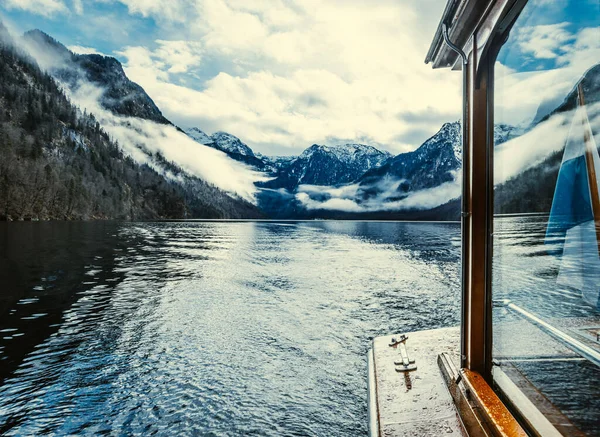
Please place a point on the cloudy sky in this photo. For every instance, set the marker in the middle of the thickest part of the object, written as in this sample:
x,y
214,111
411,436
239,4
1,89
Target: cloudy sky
x,y
280,74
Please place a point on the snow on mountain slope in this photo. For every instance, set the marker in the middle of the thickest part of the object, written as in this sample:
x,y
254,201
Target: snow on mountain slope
x,y
223,141
98,84
231,144
328,165
199,136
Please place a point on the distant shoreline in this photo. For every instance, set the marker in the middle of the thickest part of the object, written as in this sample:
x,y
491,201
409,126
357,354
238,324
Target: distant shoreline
x,y
267,220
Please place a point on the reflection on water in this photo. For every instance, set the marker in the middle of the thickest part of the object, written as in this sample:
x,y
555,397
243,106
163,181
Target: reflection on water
x,y
209,328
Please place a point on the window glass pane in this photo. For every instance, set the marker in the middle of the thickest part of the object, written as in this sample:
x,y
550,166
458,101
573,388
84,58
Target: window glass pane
x,y
546,266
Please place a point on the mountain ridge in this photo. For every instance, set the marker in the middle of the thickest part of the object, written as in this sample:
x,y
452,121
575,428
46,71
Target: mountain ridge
x,y
59,163
120,95
327,165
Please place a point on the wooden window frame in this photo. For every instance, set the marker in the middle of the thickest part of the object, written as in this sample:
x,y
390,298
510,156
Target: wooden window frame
x,y
477,30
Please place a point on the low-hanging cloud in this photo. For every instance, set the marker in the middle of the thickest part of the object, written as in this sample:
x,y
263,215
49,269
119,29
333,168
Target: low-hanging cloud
x,y
520,95
82,50
517,155
383,195
142,139
287,74
510,159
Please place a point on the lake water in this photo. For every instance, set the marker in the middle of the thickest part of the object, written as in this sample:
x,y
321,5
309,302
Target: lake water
x,y
173,328
253,328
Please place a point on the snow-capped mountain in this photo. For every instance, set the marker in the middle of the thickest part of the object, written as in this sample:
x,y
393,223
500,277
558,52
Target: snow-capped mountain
x,y
432,164
199,136
328,165
231,145
321,171
223,141
377,175
380,176
277,162
88,174
533,189
591,90
436,161
590,82
317,165
505,132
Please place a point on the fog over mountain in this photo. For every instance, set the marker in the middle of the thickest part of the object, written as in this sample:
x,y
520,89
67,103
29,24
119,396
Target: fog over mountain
x,y
230,145
99,85
119,95
59,162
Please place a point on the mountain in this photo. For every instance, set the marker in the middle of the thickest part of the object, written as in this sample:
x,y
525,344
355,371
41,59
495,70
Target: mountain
x,y
327,165
120,95
361,177
199,136
422,184
317,165
277,163
59,163
435,162
231,145
432,164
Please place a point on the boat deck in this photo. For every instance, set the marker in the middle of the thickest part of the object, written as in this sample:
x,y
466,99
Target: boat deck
x,y
547,371
415,402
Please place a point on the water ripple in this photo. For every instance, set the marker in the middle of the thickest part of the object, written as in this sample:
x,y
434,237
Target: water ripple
x,y
221,329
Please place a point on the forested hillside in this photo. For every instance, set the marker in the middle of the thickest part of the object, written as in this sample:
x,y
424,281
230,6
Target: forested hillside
x,y
56,162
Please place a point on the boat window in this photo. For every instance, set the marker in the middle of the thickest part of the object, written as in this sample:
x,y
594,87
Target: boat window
x,y
546,263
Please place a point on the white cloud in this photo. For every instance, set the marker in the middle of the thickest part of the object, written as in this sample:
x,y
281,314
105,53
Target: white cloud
x,y
41,7
178,56
544,41
349,198
556,4
138,138
520,94
150,68
519,154
333,204
169,10
143,67
295,73
526,97
516,155
511,158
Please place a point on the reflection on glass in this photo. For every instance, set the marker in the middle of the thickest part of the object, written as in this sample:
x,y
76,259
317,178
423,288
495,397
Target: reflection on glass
x,y
576,208
546,266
